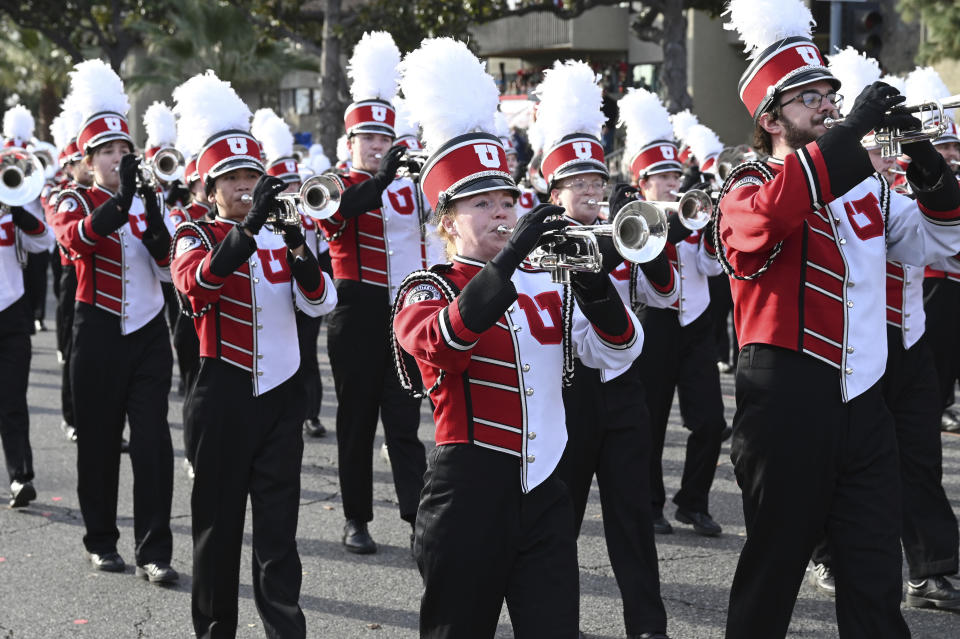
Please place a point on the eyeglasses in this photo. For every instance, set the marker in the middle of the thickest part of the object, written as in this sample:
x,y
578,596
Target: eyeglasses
x,y
581,185
813,100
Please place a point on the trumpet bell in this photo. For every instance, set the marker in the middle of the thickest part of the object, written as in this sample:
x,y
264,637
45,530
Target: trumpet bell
x,y
695,209
640,231
21,177
47,154
167,164
320,196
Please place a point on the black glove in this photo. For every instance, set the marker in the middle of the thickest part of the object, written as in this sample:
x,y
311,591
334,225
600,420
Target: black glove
x,y
306,270
925,158
622,195
178,194
23,220
485,297
389,164
264,202
869,111
292,236
658,270
676,231
151,204
128,169
599,301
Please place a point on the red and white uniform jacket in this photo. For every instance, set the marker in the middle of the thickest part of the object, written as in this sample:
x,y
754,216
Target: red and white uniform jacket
x,y
114,273
382,246
527,201
48,199
501,389
824,295
905,301
189,213
695,259
250,322
14,244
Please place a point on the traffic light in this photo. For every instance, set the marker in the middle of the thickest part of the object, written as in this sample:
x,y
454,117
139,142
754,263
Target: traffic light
x,y
865,20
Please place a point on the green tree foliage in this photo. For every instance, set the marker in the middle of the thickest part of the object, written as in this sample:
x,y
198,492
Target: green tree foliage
x,y
942,23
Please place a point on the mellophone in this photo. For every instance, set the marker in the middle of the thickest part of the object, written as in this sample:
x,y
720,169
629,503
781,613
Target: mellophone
x,y
638,230
934,126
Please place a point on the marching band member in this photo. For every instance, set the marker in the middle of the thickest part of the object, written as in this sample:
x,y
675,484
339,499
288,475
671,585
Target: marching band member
x,y
22,232
930,536
376,239
679,351
242,283
64,129
117,232
277,143
490,336
608,425
18,125
806,240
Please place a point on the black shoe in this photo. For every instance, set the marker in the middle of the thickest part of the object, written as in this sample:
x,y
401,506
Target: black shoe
x,y
108,562
157,572
703,523
933,592
314,428
22,493
949,422
357,539
124,445
822,578
661,526
725,435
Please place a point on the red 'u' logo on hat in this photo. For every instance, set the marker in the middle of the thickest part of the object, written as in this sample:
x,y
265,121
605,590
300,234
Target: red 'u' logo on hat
x,y
488,155
667,151
113,124
582,149
237,145
379,113
810,56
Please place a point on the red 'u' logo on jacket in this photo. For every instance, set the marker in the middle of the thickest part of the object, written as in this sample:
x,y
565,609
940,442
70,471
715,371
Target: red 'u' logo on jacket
x,y
274,263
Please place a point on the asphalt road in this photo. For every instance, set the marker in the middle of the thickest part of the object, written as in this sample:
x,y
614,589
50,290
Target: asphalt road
x,y
49,590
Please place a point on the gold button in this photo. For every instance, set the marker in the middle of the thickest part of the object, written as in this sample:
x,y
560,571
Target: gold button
x,y
849,371
259,308
126,281
389,252
259,373
837,220
850,284
526,368
517,327
906,314
850,304
906,328
529,392
253,263
531,435
259,356
256,280
849,349
842,241
531,459
259,327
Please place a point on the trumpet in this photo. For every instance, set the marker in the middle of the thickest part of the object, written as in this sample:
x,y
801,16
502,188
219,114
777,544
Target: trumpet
x,y
166,165
412,164
21,177
694,209
318,197
731,157
47,154
934,126
638,230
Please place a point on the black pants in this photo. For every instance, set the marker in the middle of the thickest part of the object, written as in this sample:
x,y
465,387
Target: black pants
x,y
367,387
721,307
35,283
65,308
806,463
682,358
113,376
187,345
609,435
930,535
480,540
941,303
247,446
308,330
15,371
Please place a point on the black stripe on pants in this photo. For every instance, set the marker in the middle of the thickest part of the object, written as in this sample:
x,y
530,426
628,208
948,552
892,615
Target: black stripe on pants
x,y
367,387
15,371
65,309
941,304
609,435
806,462
248,446
35,283
187,345
480,540
682,358
308,330
116,376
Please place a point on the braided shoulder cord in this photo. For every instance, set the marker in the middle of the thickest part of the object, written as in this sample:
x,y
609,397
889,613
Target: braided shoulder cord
x,y
732,179
186,306
884,202
566,315
450,292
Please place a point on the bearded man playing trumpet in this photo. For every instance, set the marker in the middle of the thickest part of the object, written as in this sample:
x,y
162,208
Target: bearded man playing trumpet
x,y
806,237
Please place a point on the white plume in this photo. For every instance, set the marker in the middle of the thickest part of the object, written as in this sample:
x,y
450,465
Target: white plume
x,y
502,129
207,105
373,67
448,91
855,72
646,119
760,23
535,137
315,149
260,116
681,124
71,114
96,87
703,142
319,163
343,153
161,125
60,130
898,83
405,123
923,85
18,124
570,101
276,138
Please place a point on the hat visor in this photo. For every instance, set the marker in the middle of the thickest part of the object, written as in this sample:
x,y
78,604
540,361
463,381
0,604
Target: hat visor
x,y
233,165
809,76
581,168
485,185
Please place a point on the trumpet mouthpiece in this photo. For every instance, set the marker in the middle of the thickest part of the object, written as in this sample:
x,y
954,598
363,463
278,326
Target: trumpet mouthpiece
x,y
504,230
246,198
